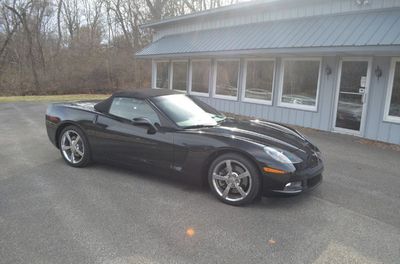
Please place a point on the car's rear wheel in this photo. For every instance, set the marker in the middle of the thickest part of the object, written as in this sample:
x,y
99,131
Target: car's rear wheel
x,y
234,179
74,147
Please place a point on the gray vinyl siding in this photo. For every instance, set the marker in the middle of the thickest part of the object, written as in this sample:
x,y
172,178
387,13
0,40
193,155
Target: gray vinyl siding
x,y
375,127
312,8
327,29
320,119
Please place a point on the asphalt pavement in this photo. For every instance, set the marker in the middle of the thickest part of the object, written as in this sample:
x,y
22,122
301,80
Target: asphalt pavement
x,y
53,213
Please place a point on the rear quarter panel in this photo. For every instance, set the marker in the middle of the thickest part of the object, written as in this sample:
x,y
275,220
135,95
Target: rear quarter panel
x,y
59,116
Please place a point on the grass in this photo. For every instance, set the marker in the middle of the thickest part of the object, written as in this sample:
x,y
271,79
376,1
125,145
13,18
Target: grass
x,y
52,98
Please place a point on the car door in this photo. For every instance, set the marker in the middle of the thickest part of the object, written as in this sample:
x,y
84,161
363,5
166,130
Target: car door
x,y
119,140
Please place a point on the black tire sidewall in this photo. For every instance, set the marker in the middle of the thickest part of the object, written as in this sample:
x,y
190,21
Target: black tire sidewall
x,y
255,188
86,156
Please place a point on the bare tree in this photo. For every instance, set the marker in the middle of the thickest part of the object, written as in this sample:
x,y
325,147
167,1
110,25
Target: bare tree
x,y
67,46
71,17
21,13
59,10
10,24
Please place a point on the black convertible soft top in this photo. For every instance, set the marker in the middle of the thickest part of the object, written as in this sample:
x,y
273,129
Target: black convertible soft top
x,y
104,106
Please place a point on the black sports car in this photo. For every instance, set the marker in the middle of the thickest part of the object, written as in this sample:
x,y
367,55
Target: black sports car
x,y
178,135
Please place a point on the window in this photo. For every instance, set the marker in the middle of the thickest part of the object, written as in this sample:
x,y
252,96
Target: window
x,y
130,108
227,78
162,74
259,80
299,85
179,75
392,111
200,76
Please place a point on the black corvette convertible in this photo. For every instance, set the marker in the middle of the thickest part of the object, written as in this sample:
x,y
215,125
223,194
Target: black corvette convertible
x,y
181,136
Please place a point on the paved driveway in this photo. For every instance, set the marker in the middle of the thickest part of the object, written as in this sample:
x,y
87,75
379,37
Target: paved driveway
x,y
52,213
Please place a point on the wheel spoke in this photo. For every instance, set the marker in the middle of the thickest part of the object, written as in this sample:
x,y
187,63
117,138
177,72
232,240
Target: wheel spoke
x,y
64,147
69,138
72,157
240,189
80,153
219,177
228,166
226,191
244,175
77,139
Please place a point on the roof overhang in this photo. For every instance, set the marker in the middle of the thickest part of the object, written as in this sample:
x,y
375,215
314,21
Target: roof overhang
x,y
365,33
286,52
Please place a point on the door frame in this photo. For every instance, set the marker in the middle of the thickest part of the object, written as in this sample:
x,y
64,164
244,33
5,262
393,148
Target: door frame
x,y
366,96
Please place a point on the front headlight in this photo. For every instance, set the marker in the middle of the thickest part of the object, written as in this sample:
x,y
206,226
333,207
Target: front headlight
x,y
282,156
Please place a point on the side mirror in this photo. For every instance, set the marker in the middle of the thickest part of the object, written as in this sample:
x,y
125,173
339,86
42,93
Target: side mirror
x,y
143,121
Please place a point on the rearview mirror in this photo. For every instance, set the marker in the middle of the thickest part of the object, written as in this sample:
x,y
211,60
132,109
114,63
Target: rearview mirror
x,y
143,121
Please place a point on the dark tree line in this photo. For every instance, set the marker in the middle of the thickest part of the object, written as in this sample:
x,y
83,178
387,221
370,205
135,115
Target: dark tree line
x,y
71,46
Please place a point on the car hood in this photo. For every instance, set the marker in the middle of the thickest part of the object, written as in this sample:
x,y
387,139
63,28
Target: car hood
x,y
262,132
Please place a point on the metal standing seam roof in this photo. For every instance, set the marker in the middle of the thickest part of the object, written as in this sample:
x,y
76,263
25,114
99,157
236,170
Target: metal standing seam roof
x,y
378,28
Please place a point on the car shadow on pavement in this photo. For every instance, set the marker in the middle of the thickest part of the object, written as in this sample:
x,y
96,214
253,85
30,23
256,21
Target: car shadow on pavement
x,y
151,176
271,201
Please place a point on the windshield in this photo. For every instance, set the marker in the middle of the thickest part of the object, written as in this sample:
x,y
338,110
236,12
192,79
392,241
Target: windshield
x,y
185,112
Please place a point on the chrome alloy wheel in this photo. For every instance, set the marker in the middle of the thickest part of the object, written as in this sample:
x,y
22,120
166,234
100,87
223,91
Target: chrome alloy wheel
x,y
232,180
72,147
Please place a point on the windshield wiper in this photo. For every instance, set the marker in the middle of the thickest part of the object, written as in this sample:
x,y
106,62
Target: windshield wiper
x,y
218,118
197,126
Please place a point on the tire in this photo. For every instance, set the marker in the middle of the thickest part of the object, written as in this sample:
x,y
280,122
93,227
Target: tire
x,y
234,179
74,147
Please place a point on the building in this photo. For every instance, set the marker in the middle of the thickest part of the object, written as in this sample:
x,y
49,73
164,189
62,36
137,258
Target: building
x,y
332,65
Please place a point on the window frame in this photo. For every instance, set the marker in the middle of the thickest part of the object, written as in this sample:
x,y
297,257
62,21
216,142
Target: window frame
x,y
244,82
281,79
214,86
191,77
156,72
389,92
171,82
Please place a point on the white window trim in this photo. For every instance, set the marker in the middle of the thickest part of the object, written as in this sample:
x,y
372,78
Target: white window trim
x,y
191,75
155,74
295,106
244,82
171,82
214,86
387,117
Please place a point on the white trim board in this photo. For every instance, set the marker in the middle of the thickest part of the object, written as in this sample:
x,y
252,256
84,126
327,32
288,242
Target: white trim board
x,y
386,116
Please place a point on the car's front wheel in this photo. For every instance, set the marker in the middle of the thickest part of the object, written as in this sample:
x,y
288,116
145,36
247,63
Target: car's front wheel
x,y
74,147
234,179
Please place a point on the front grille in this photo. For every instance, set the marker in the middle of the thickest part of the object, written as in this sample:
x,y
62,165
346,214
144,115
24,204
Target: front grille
x,y
314,181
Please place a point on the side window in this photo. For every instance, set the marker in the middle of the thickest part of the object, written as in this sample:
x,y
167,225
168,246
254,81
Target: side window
x,y
130,108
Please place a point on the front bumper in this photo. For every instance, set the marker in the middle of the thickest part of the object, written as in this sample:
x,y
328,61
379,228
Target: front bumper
x,y
293,183
301,186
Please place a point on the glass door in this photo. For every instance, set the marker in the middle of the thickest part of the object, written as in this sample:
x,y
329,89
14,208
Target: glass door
x,y
351,97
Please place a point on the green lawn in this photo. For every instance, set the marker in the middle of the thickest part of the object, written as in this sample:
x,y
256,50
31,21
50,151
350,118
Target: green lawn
x,y
52,98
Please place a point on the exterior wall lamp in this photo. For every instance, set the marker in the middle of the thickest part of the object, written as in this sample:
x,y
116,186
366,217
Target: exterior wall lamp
x,y
328,70
362,2
378,72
